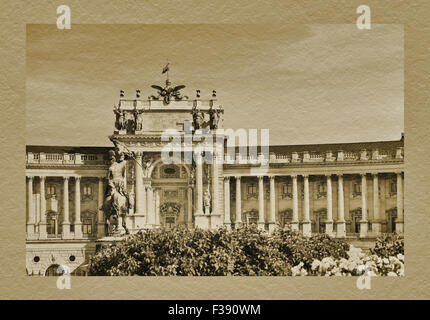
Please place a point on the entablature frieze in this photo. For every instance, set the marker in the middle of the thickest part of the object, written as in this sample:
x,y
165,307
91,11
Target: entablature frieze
x,y
71,173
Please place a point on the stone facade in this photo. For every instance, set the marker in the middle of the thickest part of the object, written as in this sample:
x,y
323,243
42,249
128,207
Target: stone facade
x,y
345,190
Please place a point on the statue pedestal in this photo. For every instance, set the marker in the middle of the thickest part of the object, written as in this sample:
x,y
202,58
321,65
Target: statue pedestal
x,y
202,221
216,221
139,221
108,240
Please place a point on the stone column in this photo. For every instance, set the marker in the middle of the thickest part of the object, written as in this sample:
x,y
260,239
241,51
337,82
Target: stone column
x,y
150,207
341,226
66,221
199,185
227,218
138,187
78,222
238,221
329,221
215,185
42,224
261,222
376,223
31,212
272,217
295,222
101,223
190,206
157,208
307,231
400,214
363,221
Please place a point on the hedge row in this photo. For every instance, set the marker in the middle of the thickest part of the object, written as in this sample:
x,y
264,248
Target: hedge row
x,y
242,252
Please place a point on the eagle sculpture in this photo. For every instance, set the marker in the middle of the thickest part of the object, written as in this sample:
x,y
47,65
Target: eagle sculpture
x,y
168,93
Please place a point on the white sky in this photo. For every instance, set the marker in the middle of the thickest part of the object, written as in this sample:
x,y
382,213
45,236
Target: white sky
x,y
306,83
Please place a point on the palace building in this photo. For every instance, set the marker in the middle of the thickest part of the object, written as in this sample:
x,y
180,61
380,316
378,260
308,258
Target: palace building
x,y
352,190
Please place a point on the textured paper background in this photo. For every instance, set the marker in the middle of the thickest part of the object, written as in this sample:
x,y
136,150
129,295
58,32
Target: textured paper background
x,y
15,284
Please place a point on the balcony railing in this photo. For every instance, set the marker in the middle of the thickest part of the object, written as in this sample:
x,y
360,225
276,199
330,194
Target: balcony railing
x,y
64,158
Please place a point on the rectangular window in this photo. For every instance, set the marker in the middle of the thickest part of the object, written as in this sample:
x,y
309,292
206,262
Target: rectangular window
x,y
357,189
252,189
50,227
87,225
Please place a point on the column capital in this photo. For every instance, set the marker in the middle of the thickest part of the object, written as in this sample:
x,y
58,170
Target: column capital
x,y
101,178
328,175
339,174
237,177
398,172
272,177
30,176
260,177
66,178
363,174
375,174
78,178
293,176
227,178
42,177
305,176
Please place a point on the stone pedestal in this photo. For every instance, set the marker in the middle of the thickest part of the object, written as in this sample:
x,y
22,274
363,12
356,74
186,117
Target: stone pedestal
x,y
129,222
272,227
399,227
307,230
78,230
228,225
261,225
363,228
42,230
376,227
238,224
139,221
66,231
329,228
341,229
202,221
295,226
216,221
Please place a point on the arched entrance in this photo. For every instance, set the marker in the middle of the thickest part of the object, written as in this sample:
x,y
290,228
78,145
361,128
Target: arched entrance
x,y
173,184
52,271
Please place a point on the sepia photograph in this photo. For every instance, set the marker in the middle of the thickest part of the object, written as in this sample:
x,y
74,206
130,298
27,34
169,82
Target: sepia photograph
x,y
214,150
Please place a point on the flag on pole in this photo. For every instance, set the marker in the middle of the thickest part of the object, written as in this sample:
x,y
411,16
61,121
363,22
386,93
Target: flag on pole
x,y
166,68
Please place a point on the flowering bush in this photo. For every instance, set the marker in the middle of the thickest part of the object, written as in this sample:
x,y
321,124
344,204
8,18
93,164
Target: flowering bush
x,y
357,264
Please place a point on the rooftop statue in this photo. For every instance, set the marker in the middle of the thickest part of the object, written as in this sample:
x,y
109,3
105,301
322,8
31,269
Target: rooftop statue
x,y
168,92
